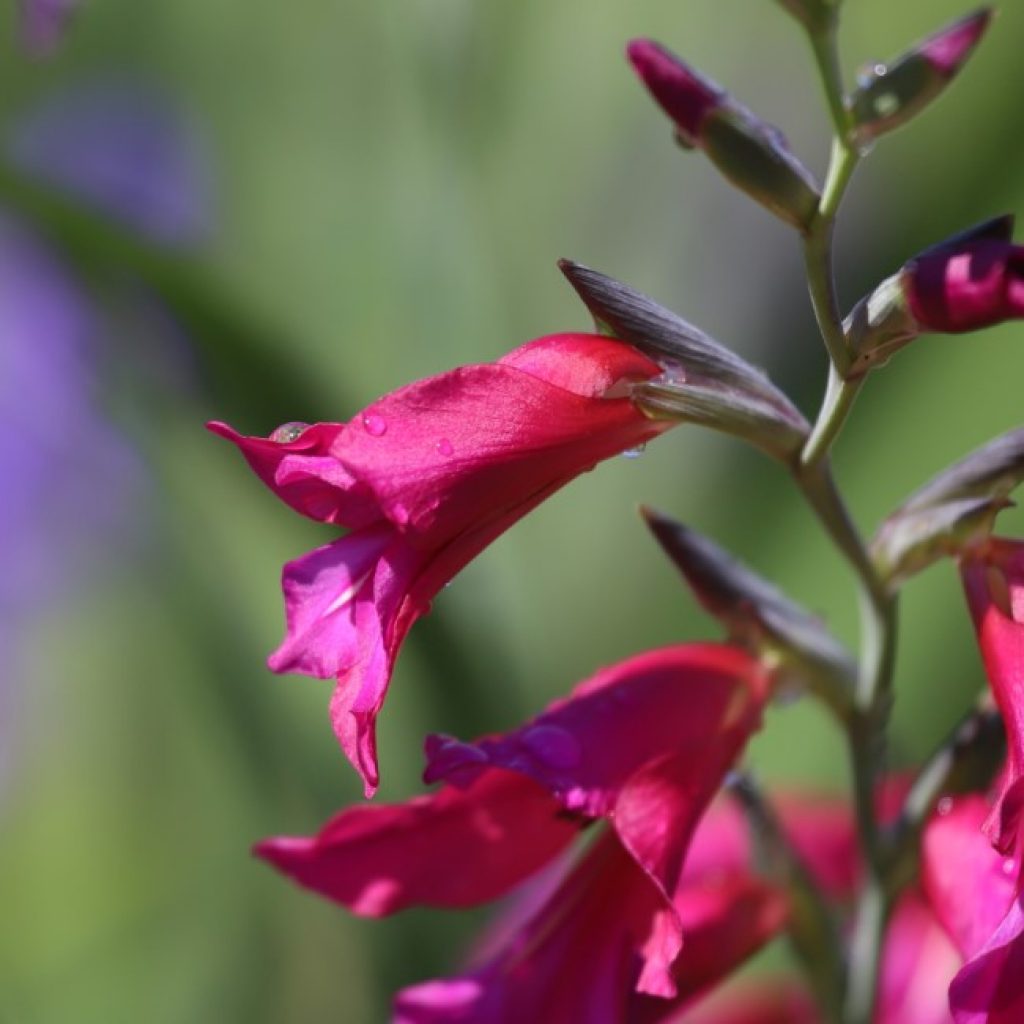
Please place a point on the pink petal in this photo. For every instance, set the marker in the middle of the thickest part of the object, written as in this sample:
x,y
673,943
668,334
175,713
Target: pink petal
x,y
588,365
976,893
587,746
453,848
990,988
304,476
606,948
323,594
480,442
994,583
918,963
348,607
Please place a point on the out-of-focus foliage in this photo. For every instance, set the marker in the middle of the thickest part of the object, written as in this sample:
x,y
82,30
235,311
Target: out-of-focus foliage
x,y
391,185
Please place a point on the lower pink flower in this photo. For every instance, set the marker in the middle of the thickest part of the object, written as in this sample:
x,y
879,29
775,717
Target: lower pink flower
x,y
977,895
994,582
644,745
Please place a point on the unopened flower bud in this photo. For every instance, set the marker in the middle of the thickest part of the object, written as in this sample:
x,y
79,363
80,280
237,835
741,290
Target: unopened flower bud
x,y
753,155
970,281
703,381
757,614
953,512
889,95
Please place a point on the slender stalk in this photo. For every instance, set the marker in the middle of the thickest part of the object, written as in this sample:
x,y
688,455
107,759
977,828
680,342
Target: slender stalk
x,y
865,725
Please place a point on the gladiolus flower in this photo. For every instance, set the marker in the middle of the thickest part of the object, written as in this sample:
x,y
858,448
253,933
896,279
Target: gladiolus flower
x,y
976,892
643,744
993,579
425,478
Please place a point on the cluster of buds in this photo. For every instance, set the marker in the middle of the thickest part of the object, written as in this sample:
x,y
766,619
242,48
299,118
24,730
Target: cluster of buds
x,y
643,869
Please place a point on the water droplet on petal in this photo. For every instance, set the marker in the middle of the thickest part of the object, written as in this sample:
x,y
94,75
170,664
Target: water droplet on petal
x,y
553,746
288,432
375,425
1010,866
445,447
944,806
634,453
400,514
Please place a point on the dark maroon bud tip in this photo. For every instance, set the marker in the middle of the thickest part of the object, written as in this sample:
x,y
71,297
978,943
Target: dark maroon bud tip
x,y
949,48
681,92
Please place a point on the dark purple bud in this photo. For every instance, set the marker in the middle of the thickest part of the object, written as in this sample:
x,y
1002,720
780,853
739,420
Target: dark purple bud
x,y
752,154
889,95
686,96
973,280
948,49
979,284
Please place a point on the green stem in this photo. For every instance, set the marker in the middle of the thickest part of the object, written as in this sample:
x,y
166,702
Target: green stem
x,y
818,255
826,55
866,723
839,398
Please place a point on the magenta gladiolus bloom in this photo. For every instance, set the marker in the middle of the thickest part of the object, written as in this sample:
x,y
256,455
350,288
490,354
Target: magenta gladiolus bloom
x,y
643,744
425,478
994,582
976,893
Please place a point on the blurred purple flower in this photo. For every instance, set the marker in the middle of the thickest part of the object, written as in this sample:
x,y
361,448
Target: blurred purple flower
x,y
121,148
41,24
69,478
73,484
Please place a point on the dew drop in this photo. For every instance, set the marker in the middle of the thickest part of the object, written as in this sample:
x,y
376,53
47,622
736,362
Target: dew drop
x,y
375,425
1009,865
288,432
944,806
634,453
400,514
553,746
445,447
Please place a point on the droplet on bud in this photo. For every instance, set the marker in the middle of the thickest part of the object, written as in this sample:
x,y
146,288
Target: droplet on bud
x,y
376,426
944,806
288,432
1009,866
445,447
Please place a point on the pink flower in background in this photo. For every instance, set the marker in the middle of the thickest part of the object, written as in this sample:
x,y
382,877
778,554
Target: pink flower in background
x,y
976,892
425,478
643,744
994,583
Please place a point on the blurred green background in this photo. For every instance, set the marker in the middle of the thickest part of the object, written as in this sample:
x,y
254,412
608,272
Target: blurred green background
x,y
391,186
